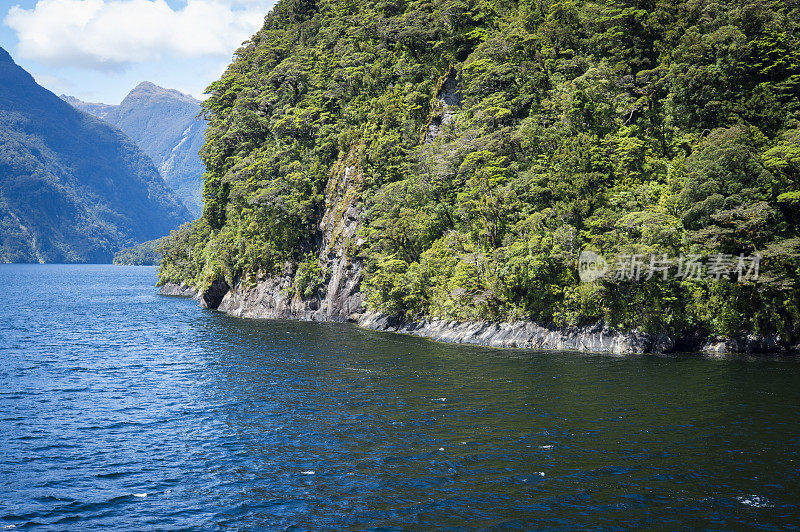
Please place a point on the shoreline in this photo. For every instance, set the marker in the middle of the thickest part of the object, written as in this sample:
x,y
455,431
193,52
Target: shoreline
x,y
597,338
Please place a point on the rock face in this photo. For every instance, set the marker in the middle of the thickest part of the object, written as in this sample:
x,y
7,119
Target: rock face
x,y
268,300
448,100
167,125
340,297
745,344
340,226
595,339
171,289
525,335
212,298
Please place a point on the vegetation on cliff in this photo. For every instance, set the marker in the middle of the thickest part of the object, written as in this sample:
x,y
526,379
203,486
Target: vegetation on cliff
x,y
499,139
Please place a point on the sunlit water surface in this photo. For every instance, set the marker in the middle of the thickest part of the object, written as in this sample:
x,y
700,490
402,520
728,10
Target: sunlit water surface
x,y
120,408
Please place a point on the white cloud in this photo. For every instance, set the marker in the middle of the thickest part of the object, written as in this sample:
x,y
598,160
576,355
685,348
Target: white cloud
x,y
110,34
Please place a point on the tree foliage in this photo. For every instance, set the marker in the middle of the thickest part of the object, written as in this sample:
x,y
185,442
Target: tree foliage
x,y
619,126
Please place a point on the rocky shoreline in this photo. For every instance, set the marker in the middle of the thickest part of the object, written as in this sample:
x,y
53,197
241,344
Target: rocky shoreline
x,y
268,300
523,335
339,297
175,290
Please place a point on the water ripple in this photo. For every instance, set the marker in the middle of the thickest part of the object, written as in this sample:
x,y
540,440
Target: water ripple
x,y
122,409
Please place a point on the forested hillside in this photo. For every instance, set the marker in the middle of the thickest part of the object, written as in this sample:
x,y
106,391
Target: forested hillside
x,y
166,124
72,188
499,139
145,254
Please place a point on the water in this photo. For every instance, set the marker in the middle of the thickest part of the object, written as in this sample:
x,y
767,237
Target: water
x,y
123,409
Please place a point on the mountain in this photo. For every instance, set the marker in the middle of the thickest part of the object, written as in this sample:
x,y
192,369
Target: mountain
x,y
165,123
72,188
632,164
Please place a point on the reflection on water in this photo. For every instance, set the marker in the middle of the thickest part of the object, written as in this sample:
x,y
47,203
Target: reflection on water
x,y
123,408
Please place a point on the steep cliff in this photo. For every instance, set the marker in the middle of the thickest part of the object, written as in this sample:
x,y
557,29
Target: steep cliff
x,y
454,161
338,297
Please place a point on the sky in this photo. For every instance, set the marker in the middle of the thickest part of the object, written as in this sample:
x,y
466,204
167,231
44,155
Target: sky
x,y
98,50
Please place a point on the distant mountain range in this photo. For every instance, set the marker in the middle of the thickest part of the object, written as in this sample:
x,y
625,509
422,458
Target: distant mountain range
x,y
72,187
166,124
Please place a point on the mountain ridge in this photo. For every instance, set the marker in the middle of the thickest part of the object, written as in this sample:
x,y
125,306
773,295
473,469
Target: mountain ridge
x,y
72,188
167,125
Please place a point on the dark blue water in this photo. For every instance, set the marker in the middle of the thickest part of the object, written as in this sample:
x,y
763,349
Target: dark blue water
x,y
123,409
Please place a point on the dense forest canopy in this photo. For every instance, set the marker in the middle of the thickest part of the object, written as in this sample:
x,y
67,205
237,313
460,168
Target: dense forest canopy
x,y
624,127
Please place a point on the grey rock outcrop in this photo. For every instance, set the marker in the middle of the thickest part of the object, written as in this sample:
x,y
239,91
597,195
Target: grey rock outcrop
x,y
212,297
176,290
743,344
525,335
339,297
274,298
447,103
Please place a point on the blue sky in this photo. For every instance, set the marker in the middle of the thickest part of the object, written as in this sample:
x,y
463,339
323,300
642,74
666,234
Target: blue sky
x,y
98,50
